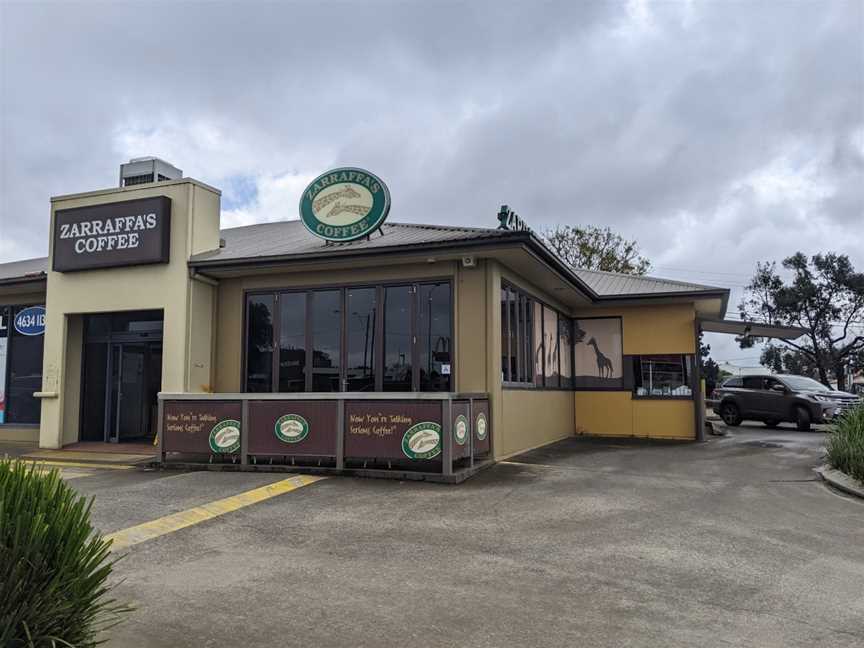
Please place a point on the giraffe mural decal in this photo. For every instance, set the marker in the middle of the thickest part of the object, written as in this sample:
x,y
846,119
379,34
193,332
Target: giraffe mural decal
x,y
598,353
604,364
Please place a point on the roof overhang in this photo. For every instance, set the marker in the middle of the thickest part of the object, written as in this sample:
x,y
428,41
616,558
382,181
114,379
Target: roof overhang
x,y
567,286
753,329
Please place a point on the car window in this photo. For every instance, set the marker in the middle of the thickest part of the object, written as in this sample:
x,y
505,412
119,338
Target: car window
x,y
735,381
753,382
800,383
771,382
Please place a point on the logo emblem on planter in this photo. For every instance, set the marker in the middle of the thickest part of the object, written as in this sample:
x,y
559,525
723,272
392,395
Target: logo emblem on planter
x,y
225,436
344,204
422,441
31,321
292,428
481,426
460,429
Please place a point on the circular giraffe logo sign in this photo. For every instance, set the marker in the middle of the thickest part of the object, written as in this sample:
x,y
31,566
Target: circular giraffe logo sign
x,y
422,441
292,428
460,429
225,436
481,426
344,204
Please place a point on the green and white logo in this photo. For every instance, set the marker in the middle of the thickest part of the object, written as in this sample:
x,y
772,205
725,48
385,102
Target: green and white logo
x,y
460,429
344,204
422,441
481,426
225,436
291,428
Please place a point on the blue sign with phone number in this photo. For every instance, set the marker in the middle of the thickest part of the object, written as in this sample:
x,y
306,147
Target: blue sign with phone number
x,y
31,321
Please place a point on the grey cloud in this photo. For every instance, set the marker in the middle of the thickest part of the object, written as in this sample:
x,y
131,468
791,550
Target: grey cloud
x,y
659,123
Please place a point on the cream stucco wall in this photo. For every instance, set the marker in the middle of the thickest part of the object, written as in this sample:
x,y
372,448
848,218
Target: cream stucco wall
x,y
166,287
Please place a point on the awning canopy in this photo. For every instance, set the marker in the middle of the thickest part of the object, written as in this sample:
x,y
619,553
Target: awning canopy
x,y
753,329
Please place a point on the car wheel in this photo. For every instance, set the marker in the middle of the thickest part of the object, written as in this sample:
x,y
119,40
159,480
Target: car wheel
x,y
730,414
802,419
771,423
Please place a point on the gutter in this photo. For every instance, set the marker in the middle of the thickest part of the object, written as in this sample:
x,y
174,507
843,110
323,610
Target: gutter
x,y
27,279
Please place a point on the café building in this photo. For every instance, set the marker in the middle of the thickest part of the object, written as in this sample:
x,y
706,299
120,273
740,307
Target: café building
x,y
347,340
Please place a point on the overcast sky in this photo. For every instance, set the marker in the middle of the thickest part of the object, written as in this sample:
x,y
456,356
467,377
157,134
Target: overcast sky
x,y
716,134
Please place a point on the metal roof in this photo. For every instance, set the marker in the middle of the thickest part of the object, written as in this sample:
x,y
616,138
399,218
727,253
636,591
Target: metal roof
x,y
292,239
283,241
26,270
613,283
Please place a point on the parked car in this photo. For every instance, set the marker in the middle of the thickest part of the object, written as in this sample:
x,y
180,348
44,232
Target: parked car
x,y
782,398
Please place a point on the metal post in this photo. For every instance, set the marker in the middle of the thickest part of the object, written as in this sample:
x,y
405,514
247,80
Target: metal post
x,y
244,432
471,431
340,434
447,431
698,401
160,447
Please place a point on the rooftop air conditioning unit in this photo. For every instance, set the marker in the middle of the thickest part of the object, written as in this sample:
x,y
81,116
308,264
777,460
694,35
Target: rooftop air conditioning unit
x,y
147,169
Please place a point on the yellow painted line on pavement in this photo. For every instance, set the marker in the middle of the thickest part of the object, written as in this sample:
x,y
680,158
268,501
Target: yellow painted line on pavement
x,y
139,533
78,464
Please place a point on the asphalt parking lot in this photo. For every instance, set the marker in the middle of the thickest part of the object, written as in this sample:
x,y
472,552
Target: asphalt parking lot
x,y
732,542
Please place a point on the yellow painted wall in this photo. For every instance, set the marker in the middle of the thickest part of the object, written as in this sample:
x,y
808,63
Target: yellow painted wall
x,y
522,419
647,330
652,329
530,418
618,414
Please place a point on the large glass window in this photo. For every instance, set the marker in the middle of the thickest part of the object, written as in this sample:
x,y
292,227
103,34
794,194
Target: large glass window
x,y
259,344
24,361
397,338
326,336
507,326
362,318
537,351
565,347
4,355
292,342
550,347
536,342
526,366
433,336
660,376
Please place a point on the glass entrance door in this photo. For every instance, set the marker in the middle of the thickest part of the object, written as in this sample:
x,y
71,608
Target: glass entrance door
x,y
134,375
131,416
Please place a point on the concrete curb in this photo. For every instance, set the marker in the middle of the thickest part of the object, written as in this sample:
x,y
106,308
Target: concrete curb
x,y
840,480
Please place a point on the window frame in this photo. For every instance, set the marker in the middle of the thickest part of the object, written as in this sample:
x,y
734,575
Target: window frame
x,y
10,311
378,360
687,365
527,305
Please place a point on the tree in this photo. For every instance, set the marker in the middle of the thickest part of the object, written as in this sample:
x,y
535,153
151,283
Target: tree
x,y
825,296
708,369
790,361
596,248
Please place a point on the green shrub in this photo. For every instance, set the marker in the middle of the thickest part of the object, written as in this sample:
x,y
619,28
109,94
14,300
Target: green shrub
x,y
54,567
846,444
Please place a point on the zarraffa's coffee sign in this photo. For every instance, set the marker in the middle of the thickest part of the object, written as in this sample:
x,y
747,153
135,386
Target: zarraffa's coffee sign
x,y
344,204
133,232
